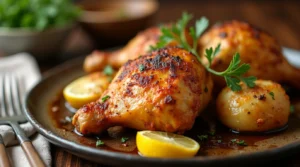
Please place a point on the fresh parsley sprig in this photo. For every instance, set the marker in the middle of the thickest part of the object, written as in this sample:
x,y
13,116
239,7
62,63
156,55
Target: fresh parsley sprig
x,y
233,75
99,143
124,139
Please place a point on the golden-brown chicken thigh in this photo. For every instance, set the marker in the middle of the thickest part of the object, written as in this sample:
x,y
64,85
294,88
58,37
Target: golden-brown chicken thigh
x,y
256,47
139,45
164,90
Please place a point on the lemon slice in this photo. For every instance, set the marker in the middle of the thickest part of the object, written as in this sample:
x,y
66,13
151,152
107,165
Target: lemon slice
x,y
165,145
86,89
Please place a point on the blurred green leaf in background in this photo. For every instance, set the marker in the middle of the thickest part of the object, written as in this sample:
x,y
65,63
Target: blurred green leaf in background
x,y
37,14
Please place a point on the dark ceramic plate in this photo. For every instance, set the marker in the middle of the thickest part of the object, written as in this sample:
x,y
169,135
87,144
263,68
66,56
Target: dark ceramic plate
x,y
37,106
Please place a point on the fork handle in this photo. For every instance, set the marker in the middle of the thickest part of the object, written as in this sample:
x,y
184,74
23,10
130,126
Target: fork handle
x,y
4,161
31,154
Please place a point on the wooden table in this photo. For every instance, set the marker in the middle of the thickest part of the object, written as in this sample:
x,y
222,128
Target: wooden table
x,y
280,18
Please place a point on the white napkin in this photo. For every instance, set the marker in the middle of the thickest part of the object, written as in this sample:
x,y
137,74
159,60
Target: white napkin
x,y
26,67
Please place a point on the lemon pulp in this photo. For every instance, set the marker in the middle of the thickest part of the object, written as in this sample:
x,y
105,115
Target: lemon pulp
x,y
86,89
165,145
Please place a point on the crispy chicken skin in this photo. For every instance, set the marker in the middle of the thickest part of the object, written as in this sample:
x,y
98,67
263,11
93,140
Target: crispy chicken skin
x,y
164,90
256,47
139,45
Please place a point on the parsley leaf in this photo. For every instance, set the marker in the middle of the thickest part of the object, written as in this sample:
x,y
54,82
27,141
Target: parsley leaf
x,y
217,50
142,67
250,81
201,26
241,143
99,143
233,75
105,98
202,137
272,95
37,14
233,83
233,140
108,70
124,139
212,133
208,55
292,109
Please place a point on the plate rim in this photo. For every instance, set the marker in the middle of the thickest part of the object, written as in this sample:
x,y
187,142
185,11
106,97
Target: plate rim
x,y
108,157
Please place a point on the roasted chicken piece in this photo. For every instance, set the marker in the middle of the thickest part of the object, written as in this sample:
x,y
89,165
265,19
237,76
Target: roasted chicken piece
x,y
256,47
164,90
139,45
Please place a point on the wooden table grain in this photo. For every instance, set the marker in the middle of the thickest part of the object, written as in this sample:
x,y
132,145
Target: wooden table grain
x,y
279,18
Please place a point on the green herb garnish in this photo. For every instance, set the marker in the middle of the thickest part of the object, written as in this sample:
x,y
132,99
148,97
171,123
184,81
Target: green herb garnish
x,y
108,70
124,139
212,133
99,143
37,14
233,140
272,95
292,109
233,75
239,142
105,98
202,137
141,67
219,141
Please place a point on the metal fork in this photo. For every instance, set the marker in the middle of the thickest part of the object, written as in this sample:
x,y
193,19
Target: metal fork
x,y
11,114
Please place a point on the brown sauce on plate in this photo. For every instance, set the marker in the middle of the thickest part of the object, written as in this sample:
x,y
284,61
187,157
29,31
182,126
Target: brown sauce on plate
x,y
207,131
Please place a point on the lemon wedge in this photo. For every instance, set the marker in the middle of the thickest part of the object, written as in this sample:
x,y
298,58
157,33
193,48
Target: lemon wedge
x,y
165,145
86,89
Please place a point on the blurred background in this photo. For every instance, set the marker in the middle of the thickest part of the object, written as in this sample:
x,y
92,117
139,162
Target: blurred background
x,y
111,23
278,17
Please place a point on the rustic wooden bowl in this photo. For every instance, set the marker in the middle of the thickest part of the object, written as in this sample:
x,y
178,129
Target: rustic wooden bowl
x,y
43,45
114,22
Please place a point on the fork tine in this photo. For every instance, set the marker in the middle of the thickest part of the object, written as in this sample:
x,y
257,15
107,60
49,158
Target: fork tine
x,y
9,96
10,92
15,95
1,98
20,92
4,107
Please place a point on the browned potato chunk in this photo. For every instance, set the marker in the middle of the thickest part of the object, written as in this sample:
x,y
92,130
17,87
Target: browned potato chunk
x,y
262,108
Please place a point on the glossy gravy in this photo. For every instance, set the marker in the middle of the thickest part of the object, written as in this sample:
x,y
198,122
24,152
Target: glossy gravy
x,y
206,130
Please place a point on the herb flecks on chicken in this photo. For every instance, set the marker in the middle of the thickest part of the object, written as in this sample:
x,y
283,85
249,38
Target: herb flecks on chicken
x,y
164,90
233,75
